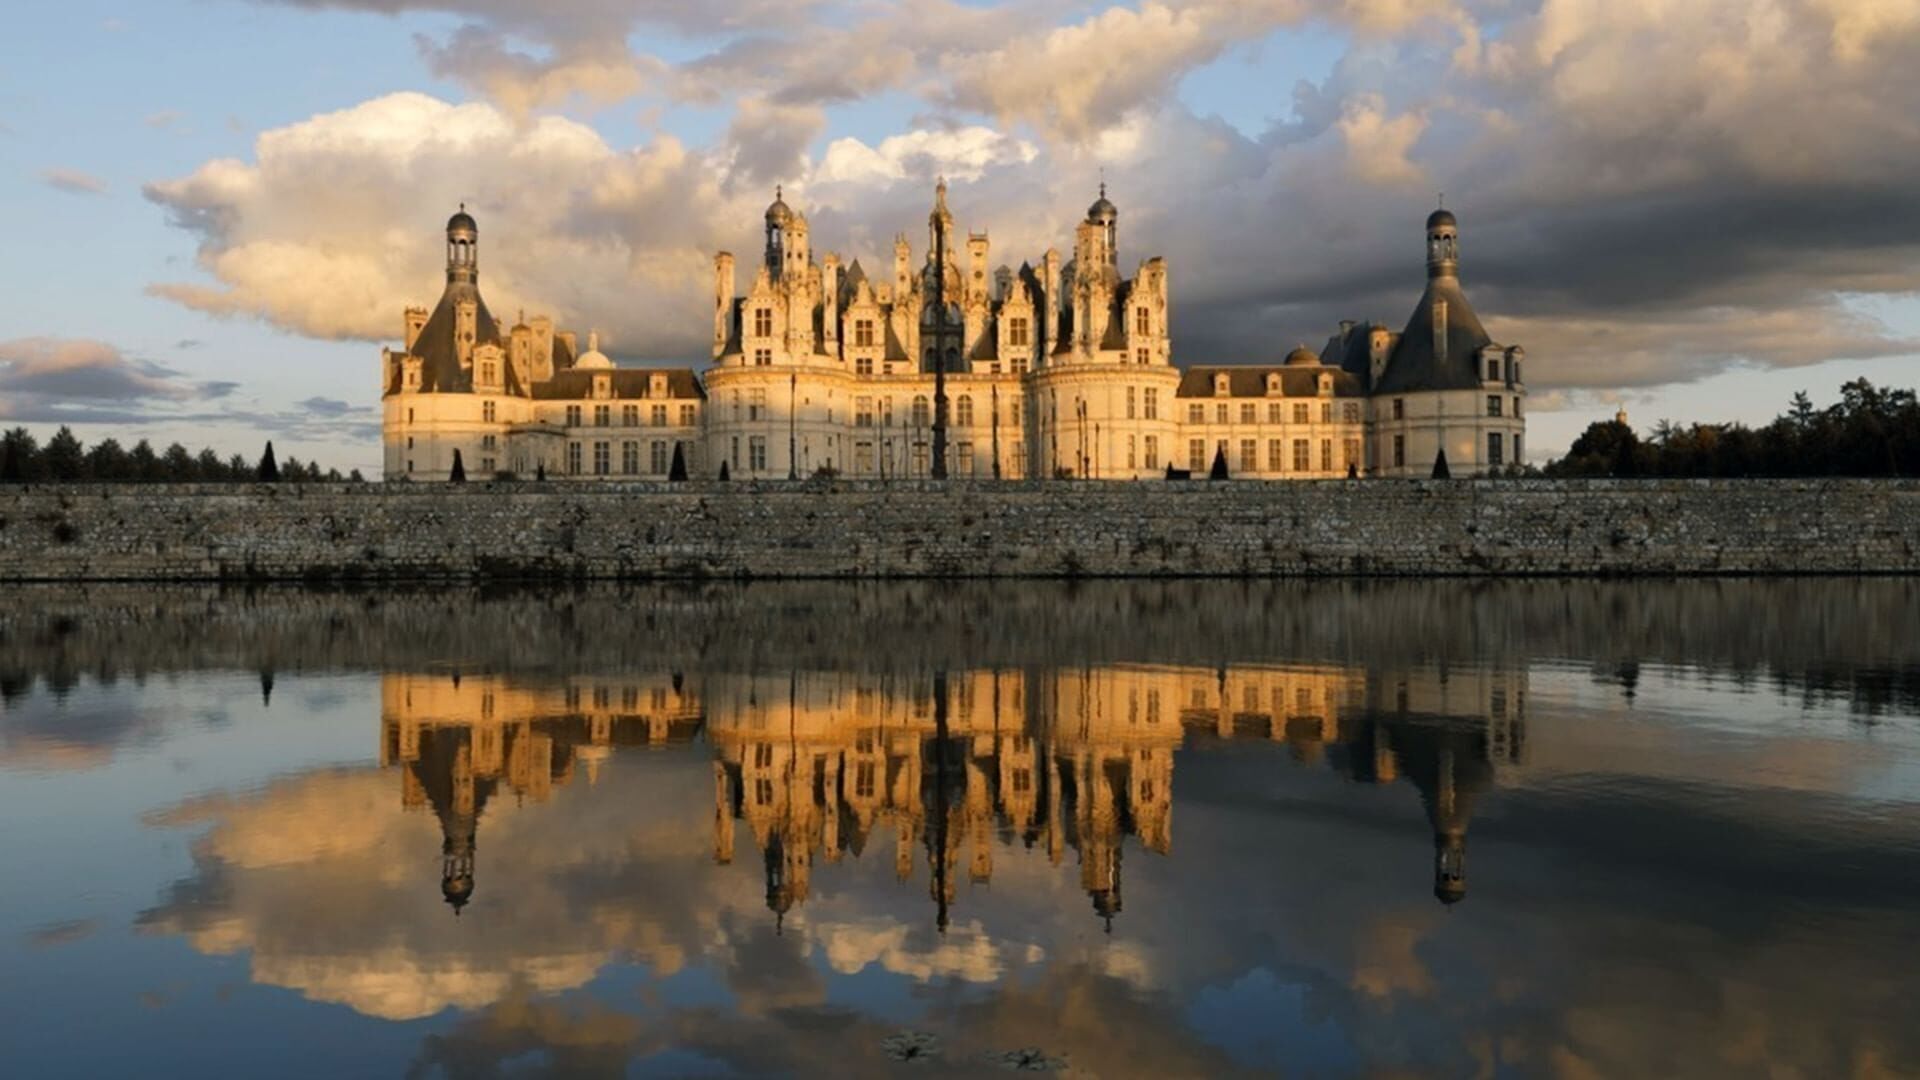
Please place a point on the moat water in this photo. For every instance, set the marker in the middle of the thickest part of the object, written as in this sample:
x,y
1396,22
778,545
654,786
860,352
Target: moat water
x,y
1120,829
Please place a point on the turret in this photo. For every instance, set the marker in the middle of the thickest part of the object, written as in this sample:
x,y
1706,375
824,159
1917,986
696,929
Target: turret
x,y
779,217
463,248
1106,217
1443,245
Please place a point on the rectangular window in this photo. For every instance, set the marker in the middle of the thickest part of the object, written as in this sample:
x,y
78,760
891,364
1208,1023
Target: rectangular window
x,y
863,458
1493,371
1351,412
1399,408
689,415
1326,412
602,415
1518,457
763,322
757,453
1130,401
573,459
1153,451
1017,331
1352,449
1301,452
1220,413
629,457
1019,366
1248,413
1249,455
1152,403
487,411
1142,357
756,403
573,416
863,412
602,458
1495,449
1399,451
1300,414
489,442
1142,322
863,365
1493,404
1196,414
863,336
736,453
1197,455
487,466
1132,455
762,357
657,457
1516,413
1019,456
658,416
630,415
1276,455
966,459
1326,455
1273,412
919,459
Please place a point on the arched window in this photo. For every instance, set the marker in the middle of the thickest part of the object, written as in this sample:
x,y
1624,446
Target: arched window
x,y
963,414
921,413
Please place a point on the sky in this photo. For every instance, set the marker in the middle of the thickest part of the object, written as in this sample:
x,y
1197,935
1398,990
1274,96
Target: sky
x,y
216,210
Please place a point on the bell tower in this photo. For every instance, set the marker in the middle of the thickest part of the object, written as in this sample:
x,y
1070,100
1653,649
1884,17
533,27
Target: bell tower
x,y
1443,245
463,248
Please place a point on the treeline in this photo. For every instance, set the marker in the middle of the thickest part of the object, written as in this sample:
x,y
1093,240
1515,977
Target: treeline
x,y
1870,431
65,460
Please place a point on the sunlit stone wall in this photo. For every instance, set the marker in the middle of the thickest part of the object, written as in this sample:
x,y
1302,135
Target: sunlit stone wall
x,y
558,532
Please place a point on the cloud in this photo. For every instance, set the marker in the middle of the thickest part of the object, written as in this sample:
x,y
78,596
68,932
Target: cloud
x,y
1649,192
327,407
74,182
79,368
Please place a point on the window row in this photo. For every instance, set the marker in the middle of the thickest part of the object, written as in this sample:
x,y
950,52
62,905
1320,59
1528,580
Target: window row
x,y
689,415
659,457
1299,412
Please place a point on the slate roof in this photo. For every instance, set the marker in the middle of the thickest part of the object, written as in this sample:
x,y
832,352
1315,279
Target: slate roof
x,y
1250,380
440,370
1414,366
629,384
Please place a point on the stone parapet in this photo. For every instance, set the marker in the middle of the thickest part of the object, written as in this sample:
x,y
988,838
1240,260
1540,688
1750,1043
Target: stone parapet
x,y
858,529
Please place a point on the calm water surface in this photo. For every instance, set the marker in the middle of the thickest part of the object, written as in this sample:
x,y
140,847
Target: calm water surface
x,y
1196,829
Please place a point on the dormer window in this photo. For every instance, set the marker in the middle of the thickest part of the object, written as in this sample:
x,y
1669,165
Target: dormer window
x,y
1222,385
763,322
1273,382
1326,384
602,386
657,386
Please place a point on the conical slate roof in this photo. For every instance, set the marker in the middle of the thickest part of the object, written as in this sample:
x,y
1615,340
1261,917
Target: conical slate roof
x,y
1415,365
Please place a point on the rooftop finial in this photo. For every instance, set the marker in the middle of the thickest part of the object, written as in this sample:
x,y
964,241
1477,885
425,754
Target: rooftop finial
x,y
777,193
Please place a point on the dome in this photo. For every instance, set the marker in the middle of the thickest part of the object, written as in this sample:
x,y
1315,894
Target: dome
x,y
1102,212
462,221
593,357
1302,357
1440,218
779,213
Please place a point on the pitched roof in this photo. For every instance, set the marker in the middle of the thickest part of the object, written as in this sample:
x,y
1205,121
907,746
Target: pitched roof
x,y
629,384
1415,365
1250,380
440,370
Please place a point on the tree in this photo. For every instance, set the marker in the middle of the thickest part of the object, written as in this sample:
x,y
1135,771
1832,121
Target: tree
x,y
142,463
725,475
677,472
20,461
459,474
108,461
66,459
354,477
179,464
269,469
208,466
1440,470
238,469
1219,470
293,470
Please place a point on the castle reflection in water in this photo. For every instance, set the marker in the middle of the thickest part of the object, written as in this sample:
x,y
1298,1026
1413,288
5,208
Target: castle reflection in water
x,y
952,765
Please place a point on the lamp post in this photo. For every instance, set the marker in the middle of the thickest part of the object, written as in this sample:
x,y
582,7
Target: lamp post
x,y
793,440
996,431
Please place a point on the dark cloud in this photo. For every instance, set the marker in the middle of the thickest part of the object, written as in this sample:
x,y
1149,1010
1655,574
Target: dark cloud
x,y
327,407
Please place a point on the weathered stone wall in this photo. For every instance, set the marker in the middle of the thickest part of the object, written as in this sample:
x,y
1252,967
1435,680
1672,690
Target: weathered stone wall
x,y
645,531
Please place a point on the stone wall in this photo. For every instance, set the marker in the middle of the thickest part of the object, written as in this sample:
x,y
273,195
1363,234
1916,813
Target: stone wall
x,y
482,531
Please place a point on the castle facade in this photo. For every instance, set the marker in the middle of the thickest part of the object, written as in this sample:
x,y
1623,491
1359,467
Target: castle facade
x,y
1059,369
